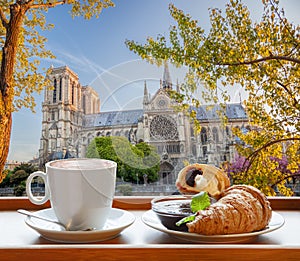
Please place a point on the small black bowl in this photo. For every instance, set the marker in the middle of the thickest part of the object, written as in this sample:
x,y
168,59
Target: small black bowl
x,y
171,209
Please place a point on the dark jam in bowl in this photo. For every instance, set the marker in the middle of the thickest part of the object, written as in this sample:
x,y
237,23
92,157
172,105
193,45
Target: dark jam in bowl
x,y
170,210
173,207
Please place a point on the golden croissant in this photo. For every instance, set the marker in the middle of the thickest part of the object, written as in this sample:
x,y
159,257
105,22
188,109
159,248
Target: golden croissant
x,y
240,209
202,177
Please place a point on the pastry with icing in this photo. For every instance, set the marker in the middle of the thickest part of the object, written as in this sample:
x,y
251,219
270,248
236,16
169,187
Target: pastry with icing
x,y
195,178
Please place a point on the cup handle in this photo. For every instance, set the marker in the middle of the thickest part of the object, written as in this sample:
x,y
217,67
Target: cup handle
x,y
33,199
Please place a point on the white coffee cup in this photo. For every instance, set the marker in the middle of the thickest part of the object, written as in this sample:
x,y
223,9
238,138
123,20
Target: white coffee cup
x,y
81,191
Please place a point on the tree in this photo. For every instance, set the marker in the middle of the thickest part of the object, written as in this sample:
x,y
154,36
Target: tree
x,y
6,180
134,161
238,172
18,177
22,46
91,151
4,175
27,167
260,57
150,162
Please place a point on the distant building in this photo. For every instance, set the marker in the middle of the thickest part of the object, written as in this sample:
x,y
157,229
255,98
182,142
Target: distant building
x,y
72,118
12,164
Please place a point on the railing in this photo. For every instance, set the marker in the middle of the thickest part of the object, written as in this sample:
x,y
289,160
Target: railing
x,y
132,190
6,192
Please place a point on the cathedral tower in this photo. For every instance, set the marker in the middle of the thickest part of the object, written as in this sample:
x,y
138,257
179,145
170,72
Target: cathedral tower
x,y
63,108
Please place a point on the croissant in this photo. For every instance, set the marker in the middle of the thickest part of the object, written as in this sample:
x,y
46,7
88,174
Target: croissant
x,y
240,209
202,177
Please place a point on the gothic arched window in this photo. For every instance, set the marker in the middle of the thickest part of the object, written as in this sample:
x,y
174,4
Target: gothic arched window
x,y
54,91
203,135
227,131
73,92
194,150
204,151
84,104
192,132
60,89
215,134
78,94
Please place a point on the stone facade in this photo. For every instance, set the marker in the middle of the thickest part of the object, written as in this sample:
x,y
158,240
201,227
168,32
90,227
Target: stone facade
x,y
72,118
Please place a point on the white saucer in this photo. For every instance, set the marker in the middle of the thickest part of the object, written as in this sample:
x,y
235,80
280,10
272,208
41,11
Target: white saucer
x,y
118,220
151,219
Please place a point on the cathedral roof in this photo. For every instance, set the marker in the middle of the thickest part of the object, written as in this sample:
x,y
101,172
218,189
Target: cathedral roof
x,y
210,112
131,117
113,118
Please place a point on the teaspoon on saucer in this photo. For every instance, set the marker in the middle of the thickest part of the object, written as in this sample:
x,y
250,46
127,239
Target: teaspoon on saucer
x,y
30,214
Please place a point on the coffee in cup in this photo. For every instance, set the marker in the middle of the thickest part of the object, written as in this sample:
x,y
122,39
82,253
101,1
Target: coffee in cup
x,y
81,191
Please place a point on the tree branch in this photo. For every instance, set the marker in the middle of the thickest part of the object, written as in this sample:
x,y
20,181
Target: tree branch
x,y
48,5
289,92
251,157
271,57
284,22
285,178
3,18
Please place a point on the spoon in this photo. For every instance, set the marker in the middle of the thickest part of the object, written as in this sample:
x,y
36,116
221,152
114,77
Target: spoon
x,y
30,214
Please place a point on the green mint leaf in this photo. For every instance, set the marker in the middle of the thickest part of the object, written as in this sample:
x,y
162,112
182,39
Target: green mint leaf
x,y
200,201
185,220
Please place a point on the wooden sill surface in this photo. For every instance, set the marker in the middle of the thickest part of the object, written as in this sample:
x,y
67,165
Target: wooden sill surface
x,y
137,203
18,241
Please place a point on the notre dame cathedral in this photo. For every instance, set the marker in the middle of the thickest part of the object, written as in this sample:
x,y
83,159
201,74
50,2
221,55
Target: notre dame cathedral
x,y
72,118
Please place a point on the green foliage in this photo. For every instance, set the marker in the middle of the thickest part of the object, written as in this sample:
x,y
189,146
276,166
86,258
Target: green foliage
x,y
260,57
92,151
133,161
18,176
27,167
19,190
125,189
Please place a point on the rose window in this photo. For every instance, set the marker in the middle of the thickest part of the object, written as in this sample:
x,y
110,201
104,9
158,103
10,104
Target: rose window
x,y
163,128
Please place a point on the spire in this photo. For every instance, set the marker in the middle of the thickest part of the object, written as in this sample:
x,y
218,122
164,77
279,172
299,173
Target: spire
x,y
167,83
146,95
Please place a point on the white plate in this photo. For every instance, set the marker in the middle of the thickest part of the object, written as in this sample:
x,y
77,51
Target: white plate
x,y
118,220
150,219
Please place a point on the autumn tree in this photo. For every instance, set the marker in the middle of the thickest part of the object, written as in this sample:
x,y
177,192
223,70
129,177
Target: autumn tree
x,y
22,47
17,178
262,57
3,175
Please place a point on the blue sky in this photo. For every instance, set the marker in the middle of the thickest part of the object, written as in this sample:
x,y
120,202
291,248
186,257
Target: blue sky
x,y
95,50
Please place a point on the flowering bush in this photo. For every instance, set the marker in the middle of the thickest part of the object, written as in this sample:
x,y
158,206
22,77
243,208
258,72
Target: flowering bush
x,y
271,184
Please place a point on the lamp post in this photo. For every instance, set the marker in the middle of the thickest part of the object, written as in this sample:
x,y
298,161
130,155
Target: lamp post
x,y
145,176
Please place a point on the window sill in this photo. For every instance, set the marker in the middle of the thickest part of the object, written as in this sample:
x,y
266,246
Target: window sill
x,y
18,241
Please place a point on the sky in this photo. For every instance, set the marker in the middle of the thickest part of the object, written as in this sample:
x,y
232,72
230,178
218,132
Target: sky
x,y
95,50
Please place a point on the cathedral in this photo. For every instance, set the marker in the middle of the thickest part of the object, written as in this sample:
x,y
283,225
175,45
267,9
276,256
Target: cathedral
x,y
71,118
